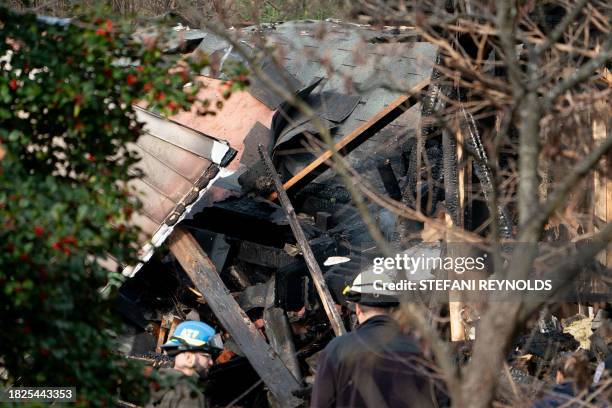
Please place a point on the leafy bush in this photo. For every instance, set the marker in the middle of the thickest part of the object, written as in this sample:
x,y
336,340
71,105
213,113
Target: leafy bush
x,y
66,95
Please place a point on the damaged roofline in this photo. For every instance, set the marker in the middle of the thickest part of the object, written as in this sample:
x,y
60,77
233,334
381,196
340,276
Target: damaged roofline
x,y
165,230
221,152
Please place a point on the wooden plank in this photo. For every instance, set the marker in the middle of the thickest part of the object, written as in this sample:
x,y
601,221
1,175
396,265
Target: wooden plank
x,y
455,307
457,329
175,322
387,175
602,200
262,357
278,331
456,322
161,338
602,189
263,255
241,278
311,262
351,141
279,334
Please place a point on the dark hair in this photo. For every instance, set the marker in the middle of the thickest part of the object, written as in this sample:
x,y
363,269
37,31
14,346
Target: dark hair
x,y
575,368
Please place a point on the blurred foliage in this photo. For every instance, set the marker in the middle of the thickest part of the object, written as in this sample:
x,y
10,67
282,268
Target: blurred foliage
x,y
267,11
66,115
195,12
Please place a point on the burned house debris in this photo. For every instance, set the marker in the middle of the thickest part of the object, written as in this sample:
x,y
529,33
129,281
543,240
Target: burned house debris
x,y
246,225
236,259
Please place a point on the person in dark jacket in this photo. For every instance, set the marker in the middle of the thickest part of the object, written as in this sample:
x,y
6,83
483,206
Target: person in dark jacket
x,y
573,378
192,346
376,365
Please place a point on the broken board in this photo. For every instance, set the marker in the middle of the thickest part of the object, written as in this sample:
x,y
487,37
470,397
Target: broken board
x,y
279,380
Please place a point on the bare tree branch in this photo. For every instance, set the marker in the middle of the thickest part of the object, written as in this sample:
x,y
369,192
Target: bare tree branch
x,y
570,181
506,15
295,101
581,75
558,31
565,272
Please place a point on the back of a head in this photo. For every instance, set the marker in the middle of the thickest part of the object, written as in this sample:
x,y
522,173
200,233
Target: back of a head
x,y
377,310
576,369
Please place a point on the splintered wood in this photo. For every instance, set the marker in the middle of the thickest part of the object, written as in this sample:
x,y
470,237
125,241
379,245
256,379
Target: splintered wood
x,y
351,141
200,269
603,189
311,262
455,307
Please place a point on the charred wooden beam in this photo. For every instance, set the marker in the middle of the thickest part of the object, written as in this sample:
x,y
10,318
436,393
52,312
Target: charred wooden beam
x,y
262,357
290,289
272,257
311,262
323,247
279,332
161,339
389,180
451,182
262,255
322,220
351,141
279,335
241,278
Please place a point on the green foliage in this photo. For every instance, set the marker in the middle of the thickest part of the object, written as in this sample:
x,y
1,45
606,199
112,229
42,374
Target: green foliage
x,y
66,95
270,11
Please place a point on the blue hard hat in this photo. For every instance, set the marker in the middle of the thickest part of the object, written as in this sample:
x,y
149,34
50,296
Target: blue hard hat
x,y
191,335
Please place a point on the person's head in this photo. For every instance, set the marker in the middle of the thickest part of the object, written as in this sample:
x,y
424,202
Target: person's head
x,y
574,368
364,312
370,295
192,346
193,362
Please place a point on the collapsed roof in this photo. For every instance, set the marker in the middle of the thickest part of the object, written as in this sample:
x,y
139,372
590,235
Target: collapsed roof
x,y
347,73
178,165
360,69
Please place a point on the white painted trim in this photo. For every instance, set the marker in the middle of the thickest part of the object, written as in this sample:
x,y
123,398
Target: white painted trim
x,y
219,150
164,230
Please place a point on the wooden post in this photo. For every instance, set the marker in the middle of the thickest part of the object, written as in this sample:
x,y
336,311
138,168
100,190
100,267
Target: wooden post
x,y
175,322
161,337
262,357
311,262
278,330
454,181
279,335
603,189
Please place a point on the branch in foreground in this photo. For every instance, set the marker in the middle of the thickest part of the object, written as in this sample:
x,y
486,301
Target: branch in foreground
x,y
581,75
295,101
570,181
566,271
556,34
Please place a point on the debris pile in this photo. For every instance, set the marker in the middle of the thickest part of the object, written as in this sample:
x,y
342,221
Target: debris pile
x,y
246,226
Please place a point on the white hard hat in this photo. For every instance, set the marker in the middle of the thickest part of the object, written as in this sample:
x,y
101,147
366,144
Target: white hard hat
x,y
372,289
